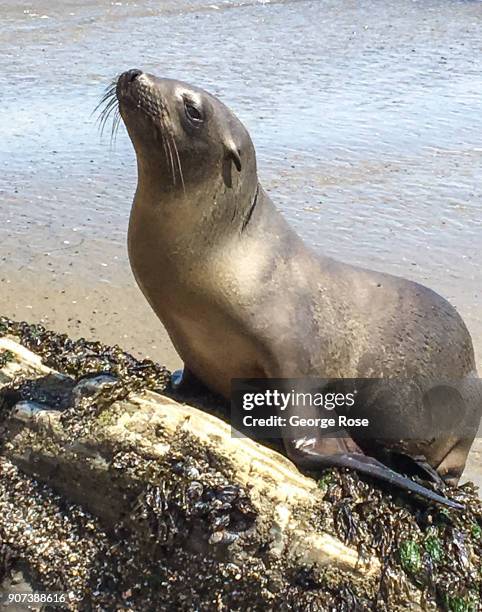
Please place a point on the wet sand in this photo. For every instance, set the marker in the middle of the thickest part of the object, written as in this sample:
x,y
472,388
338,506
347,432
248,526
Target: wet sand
x,y
366,118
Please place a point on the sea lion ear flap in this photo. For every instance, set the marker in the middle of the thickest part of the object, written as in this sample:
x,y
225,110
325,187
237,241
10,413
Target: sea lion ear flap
x,y
235,155
232,156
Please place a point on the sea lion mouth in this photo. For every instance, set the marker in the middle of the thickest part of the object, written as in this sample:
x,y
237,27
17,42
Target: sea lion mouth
x,y
136,92
130,92
127,87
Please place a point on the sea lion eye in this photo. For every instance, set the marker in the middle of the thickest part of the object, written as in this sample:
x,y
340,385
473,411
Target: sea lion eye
x,y
193,113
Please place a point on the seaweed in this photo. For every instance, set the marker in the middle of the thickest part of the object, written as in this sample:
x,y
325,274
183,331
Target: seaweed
x,y
433,550
83,358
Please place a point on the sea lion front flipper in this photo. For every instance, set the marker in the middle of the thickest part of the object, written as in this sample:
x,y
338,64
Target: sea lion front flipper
x,y
318,453
184,382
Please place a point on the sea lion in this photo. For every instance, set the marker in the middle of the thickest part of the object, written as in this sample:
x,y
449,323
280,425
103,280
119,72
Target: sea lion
x,y
242,296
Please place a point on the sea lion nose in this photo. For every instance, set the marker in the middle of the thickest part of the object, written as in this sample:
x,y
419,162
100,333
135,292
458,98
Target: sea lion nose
x,y
131,75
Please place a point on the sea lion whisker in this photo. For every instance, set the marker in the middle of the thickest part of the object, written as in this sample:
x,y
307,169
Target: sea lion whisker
x,y
113,112
109,93
161,131
107,104
112,101
106,113
117,121
171,161
115,126
103,103
104,122
168,139
181,176
164,146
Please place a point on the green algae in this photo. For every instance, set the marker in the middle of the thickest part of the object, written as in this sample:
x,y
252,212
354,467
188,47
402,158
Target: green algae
x,y
410,557
5,357
433,547
458,603
325,481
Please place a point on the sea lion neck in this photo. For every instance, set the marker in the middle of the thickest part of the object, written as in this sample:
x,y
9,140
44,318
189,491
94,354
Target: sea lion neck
x,y
192,225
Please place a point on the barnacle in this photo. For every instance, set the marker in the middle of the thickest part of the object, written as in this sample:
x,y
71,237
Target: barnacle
x,y
191,497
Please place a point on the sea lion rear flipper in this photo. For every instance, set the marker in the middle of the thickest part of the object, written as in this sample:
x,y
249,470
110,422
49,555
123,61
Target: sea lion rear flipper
x,y
411,465
310,454
372,467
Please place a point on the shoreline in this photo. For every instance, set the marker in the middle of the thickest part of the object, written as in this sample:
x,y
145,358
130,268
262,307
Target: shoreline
x,y
96,311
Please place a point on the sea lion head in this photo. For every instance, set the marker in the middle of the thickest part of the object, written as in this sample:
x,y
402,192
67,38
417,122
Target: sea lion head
x,y
190,147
